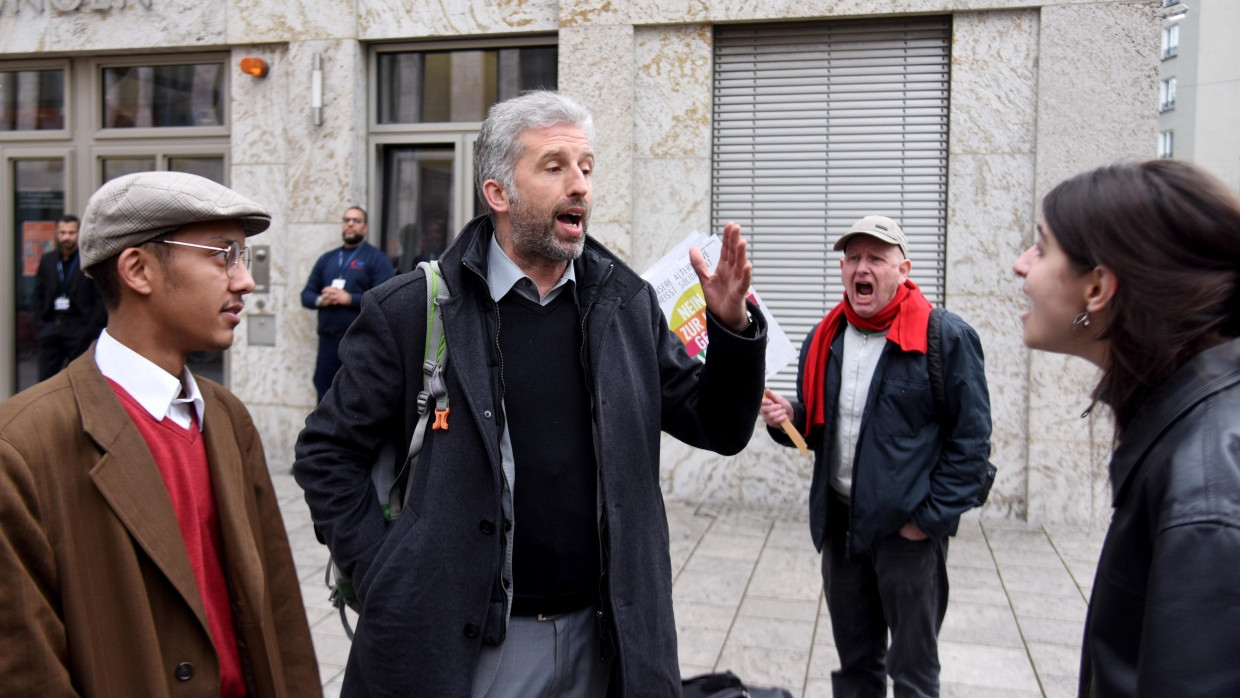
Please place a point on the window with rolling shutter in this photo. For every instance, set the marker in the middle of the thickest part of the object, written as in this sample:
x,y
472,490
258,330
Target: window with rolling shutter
x,y
817,124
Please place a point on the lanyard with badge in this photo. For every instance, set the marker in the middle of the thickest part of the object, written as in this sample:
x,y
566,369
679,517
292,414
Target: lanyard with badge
x,y
61,303
338,282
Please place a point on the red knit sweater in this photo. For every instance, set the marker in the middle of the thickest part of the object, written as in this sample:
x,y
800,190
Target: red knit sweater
x,y
182,459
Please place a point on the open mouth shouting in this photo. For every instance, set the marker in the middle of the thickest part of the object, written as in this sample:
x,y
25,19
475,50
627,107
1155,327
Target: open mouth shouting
x,y
863,291
572,220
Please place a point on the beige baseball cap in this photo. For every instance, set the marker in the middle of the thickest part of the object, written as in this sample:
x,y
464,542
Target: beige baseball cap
x,y
880,227
130,210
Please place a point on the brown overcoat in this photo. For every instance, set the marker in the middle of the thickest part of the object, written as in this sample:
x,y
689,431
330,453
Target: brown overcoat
x,y
97,596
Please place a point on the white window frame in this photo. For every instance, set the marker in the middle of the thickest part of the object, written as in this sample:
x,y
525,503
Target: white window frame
x,y
1171,41
1166,144
50,134
1166,95
94,79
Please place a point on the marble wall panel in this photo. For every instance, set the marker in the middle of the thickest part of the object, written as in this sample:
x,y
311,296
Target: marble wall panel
x,y
1007,380
695,474
677,11
383,19
671,198
327,163
1060,386
1100,457
764,474
1063,447
1060,483
615,237
261,107
1098,87
994,82
39,26
271,376
257,21
671,138
267,184
672,108
279,427
274,377
597,67
989,221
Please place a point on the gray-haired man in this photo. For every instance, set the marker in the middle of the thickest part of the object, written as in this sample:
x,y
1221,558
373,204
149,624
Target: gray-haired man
x,y
532,558
893,471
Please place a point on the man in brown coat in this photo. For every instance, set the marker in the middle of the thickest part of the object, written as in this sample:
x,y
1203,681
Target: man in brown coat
x,y
142,552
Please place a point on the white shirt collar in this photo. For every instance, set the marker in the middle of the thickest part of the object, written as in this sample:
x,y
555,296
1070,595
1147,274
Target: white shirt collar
x,y
156,390
503,274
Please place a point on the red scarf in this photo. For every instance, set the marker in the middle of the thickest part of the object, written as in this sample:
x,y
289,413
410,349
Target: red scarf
x,y
905,318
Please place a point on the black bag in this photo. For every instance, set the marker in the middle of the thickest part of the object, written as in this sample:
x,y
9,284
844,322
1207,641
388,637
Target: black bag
x,y
934,361
726,685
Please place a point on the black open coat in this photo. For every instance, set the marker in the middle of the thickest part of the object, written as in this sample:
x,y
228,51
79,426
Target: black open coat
x,y
436,584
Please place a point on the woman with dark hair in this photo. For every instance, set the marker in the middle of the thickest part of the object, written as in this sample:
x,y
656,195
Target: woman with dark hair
x,y
1137,269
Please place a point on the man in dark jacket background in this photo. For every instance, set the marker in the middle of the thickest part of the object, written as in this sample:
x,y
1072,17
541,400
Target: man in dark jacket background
x,y
532,555
893,471
335,287
68,310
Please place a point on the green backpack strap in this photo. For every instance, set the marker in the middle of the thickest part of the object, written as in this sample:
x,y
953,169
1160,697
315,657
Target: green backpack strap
x,y
435,360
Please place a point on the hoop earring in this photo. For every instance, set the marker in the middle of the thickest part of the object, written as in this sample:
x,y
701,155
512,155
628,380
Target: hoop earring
x,y
1082,321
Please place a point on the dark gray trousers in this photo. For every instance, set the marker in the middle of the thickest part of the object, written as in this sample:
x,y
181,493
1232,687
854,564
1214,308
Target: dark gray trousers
x,y
900,587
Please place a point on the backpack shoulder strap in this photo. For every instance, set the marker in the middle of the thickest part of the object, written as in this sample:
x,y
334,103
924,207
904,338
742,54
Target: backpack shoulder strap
x,y
938,390
934,362
434,361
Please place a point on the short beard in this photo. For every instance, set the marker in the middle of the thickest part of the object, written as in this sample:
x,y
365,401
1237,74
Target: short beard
x,y
533,232
352,239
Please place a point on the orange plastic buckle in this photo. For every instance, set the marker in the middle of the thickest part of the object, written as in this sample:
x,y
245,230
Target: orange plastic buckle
x,y
441,419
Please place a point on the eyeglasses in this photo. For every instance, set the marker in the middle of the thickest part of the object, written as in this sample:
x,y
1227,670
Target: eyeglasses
x,y
352,219
232,254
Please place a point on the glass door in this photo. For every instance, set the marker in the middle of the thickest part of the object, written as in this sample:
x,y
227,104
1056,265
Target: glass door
x,y
38,201
417,212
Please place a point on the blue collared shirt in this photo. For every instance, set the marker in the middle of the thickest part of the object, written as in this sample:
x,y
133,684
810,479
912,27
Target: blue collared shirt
x,y
503,275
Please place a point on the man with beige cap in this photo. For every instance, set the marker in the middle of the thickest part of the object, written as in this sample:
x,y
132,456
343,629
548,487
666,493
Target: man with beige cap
x,y
897,460
142,552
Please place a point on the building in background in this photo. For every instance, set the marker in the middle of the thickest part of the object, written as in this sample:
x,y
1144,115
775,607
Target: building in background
x,y
791,118
1199,88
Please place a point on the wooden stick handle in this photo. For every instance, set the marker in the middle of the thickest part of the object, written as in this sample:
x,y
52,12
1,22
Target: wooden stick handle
x,y
792,432
795,436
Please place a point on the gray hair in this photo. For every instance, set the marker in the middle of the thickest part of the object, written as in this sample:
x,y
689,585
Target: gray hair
x,y
499,144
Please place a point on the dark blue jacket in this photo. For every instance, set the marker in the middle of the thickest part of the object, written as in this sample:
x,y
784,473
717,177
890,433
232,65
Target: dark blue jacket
x,y
907,465
364,270
435,586
1164,616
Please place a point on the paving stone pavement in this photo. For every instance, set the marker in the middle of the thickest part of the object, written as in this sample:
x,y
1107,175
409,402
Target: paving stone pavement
x,y
748,597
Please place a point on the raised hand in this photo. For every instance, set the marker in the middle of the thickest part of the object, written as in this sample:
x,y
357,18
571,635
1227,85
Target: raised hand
x,y
725,290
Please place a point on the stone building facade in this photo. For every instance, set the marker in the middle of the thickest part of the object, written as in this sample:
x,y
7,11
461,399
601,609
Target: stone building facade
x,y
1036,90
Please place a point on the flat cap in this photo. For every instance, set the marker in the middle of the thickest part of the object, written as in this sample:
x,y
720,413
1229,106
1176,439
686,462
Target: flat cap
x,y
130,210
880,227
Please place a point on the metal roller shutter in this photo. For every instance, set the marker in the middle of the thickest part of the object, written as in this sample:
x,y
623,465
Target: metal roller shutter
x,y
817,124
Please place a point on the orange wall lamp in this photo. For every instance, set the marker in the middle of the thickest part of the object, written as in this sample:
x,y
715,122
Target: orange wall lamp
x,y
254,66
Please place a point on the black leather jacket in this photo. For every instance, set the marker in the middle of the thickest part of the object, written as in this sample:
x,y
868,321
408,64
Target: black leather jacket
x,y
1164,619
